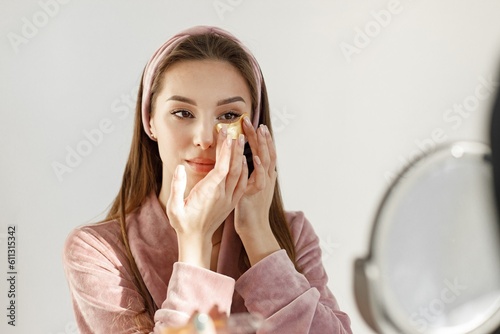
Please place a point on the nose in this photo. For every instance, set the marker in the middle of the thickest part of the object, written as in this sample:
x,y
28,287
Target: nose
x,y
205,135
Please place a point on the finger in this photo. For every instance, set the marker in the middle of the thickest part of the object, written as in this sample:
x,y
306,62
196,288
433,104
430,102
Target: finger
x,y
251,134
272,152
175,202
257,139
223,156
242,181
236,165
259,174
263,151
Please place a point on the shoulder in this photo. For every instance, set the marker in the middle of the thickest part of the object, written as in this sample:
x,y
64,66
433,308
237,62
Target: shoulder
x,y
90,242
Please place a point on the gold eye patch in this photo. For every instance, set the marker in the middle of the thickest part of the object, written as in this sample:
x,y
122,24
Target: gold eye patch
x,y
234,129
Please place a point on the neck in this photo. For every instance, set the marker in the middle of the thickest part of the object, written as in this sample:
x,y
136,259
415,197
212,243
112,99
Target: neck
x,y
165,187
163,198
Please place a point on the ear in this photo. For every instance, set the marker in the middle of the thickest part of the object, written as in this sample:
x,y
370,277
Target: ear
x,y
152,128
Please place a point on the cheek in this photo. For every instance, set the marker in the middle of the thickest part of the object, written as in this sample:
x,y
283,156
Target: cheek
x,y
172,141
166,130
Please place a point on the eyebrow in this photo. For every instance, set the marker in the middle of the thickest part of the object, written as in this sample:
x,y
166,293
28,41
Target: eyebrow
x,y
231,100
181,99
219,103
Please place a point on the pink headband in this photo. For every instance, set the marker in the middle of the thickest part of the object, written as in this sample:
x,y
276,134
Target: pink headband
x,y
171,44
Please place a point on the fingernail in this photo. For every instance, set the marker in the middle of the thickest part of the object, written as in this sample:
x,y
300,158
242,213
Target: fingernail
x,y
257,160
223,130
247,121
244,160
262,129
229,141
241,139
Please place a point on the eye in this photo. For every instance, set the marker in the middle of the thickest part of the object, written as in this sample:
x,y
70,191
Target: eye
x,y
182,113
230,116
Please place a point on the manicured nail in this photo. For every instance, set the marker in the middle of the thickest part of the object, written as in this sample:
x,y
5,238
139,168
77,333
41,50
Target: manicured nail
x,y
257,160
262,129
268,133
241,139
229,141
247,121
223,130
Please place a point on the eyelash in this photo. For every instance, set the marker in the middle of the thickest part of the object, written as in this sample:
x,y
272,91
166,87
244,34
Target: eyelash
x,y
181,114
181,111
234,116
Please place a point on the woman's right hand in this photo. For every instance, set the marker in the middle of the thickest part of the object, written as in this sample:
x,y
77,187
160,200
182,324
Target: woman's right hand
x,y
196,217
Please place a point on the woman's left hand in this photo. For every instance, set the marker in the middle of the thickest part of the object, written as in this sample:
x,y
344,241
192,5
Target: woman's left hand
x,y
252,210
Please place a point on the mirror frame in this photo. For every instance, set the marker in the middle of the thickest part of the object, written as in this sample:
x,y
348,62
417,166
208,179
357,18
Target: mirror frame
x,y
367,275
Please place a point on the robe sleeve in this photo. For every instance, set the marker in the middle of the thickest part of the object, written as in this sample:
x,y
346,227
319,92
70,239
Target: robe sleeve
x,y
194,289
293,302
106,299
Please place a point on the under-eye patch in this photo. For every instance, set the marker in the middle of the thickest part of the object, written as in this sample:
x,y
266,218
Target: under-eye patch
x,y
234,129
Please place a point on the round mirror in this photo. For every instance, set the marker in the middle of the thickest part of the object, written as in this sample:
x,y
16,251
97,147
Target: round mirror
x,y
434,259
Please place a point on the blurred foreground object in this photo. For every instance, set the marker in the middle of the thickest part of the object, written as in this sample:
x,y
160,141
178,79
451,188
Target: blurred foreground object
x,y
238,323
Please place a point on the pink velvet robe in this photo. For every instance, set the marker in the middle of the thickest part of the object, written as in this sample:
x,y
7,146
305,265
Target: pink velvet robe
x,y
106,300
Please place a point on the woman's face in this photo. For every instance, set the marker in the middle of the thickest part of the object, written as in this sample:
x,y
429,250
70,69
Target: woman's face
x,y
196,95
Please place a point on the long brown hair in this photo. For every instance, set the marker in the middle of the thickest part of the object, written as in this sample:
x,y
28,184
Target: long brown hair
x,y
143,171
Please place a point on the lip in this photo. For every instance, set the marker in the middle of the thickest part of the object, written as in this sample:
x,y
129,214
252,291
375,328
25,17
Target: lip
x,y
201,165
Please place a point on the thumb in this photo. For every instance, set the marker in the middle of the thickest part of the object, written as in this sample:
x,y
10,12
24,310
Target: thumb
x,y
177,189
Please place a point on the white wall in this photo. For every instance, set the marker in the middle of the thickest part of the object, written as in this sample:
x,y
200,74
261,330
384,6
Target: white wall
x,y
345,122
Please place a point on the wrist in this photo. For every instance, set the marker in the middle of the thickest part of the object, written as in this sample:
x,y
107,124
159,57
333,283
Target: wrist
x,y
195,250
259,244
251,226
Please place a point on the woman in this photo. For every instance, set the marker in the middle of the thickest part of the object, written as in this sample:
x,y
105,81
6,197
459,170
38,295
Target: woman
x,y
199,223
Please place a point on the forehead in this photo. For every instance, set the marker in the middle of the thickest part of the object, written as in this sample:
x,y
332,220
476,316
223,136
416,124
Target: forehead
x,y
203,77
